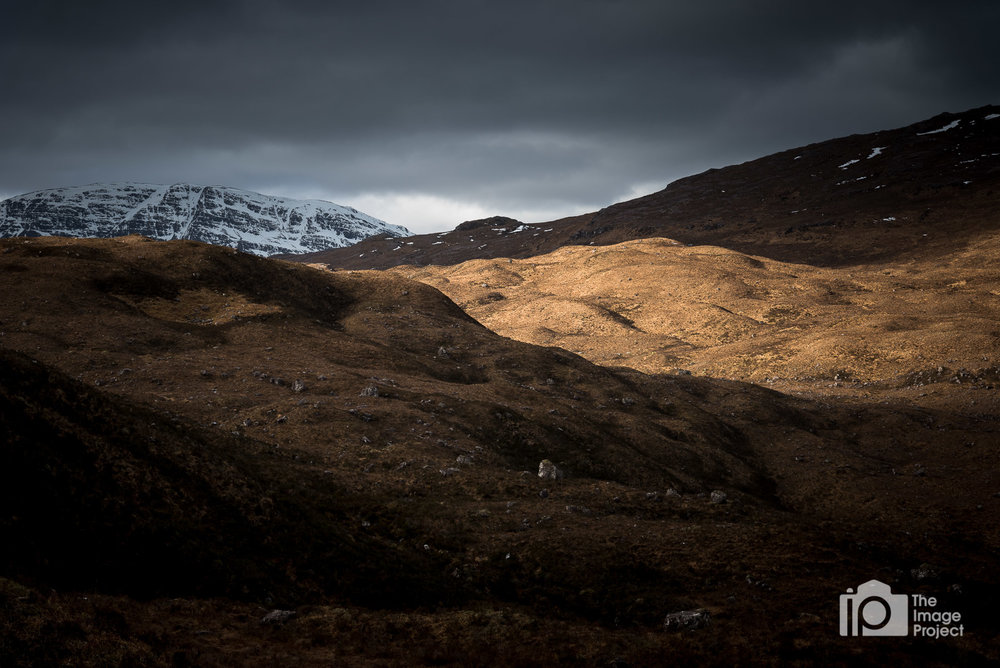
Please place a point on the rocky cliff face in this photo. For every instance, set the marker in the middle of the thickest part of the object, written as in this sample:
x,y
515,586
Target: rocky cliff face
x,y
259,224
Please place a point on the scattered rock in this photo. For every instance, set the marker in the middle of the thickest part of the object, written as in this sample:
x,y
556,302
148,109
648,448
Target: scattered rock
x,y
298,386
547,470
755,582
448,471
687,620
369,391
464,459
718,496
365,417
277,617
924,572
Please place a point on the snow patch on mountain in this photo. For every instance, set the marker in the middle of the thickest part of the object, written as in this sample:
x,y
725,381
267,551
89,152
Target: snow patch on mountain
x,y
248,221
951,126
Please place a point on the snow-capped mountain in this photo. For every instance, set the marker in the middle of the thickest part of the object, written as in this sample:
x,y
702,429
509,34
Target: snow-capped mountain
x,y
248,221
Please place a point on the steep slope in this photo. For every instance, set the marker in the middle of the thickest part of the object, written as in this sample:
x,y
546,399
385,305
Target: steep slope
x,y
914,192
260,224
354,447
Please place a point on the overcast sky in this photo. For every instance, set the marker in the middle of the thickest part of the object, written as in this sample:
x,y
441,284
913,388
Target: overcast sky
x,y
427,114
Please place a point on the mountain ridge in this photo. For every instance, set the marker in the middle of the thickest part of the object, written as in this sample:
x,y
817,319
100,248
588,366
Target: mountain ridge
x,y
242,219
922,189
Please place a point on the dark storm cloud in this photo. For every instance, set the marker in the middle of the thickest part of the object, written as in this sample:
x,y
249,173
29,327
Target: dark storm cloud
x,y
549,106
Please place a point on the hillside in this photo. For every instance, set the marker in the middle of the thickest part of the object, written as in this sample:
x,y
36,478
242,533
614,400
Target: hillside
x,y
915,192
922,330
193,438
251,222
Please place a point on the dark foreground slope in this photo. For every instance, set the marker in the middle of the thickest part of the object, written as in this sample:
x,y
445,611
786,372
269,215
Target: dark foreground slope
x,y
919,191
192,437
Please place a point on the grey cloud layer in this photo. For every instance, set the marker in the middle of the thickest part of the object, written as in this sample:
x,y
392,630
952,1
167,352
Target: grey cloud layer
x,y
553,100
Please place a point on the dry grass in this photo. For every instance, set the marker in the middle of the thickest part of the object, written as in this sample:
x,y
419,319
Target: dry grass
x,y
658,306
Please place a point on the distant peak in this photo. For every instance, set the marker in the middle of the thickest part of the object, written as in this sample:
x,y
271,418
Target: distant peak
x,y
221,215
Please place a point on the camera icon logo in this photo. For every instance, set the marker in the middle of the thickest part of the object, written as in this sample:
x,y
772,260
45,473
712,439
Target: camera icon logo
x,y
874,611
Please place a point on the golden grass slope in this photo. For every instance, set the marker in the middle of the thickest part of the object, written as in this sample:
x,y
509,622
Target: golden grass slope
x,y
657,306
